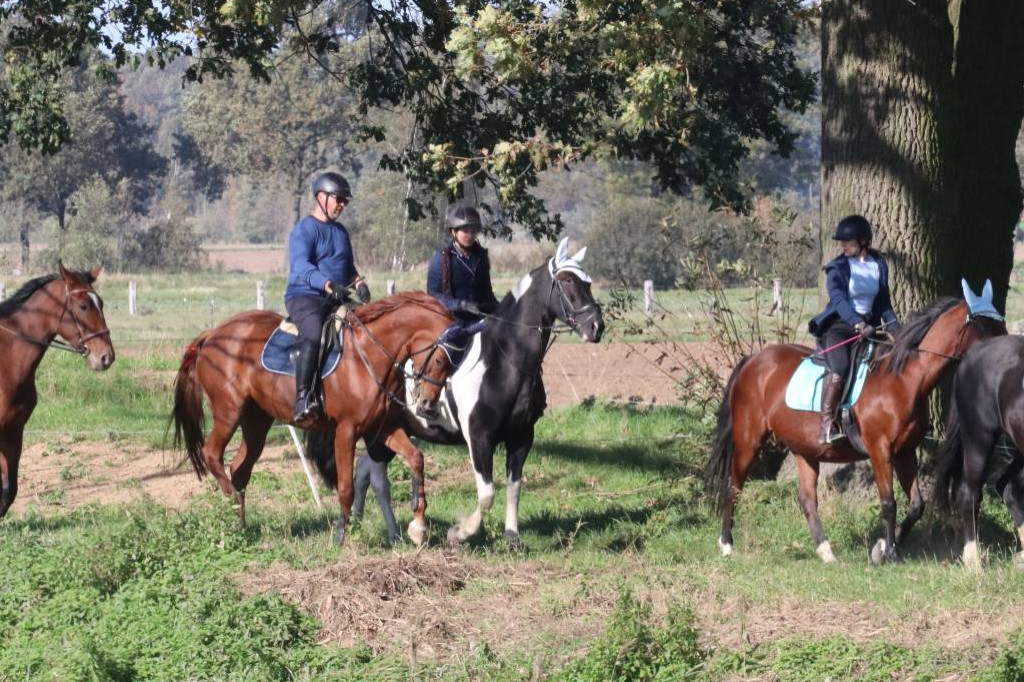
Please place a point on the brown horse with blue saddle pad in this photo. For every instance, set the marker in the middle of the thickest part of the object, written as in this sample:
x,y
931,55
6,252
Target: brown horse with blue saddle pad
x,y
891,415
225,364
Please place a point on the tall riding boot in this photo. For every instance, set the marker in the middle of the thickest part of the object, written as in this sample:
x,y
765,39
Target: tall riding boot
x,y
831,392
307,403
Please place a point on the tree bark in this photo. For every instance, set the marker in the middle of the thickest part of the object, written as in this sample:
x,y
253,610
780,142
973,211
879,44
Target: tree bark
x,y
25,246
886,84
989,82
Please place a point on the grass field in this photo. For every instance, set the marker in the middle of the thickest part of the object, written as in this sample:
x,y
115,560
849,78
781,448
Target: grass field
x,y
622,580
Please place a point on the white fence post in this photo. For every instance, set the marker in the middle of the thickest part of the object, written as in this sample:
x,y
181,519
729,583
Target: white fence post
x,y
648,295
211,313
776,296
261,295
391,287
3,291
133,298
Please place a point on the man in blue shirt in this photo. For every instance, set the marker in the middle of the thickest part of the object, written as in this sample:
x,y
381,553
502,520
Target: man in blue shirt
x,y
321,268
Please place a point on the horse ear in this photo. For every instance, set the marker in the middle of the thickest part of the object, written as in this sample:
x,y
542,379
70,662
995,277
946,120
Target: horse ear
x,y
95,272
64,272
578,256
562,251
986,292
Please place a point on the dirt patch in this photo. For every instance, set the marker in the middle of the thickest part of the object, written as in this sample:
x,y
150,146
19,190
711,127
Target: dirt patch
x,y
435,604
65,473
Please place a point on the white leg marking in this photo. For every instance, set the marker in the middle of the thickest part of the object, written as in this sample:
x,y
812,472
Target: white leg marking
x,y
512,492
824,551
726,547
971,559
417,532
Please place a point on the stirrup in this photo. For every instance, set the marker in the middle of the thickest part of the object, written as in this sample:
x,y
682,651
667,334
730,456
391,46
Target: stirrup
x,y
835,433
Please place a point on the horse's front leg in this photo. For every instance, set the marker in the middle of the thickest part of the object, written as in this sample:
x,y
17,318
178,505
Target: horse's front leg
x,y
808,496
10,455
906,470
399,441
344,455
884,551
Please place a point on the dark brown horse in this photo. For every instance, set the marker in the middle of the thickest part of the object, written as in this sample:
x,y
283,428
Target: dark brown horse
x,y
224,363
892,413
62,305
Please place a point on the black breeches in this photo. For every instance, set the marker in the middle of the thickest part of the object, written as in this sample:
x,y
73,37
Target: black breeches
x,y
309,313
838,359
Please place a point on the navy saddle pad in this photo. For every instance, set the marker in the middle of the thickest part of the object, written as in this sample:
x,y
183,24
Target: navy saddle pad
x,y
277,354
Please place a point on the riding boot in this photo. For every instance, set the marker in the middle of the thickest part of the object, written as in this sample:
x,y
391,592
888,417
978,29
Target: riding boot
x,y
307,403
832,391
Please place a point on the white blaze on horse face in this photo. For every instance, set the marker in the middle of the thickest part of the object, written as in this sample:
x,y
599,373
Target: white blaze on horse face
x,y
95,299
522,286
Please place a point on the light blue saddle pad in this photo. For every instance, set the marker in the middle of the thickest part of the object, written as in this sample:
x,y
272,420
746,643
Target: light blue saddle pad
x,y
276,356
804,389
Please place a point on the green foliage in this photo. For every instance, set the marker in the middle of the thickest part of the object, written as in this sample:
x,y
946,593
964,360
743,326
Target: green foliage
x,y
631,241
633,650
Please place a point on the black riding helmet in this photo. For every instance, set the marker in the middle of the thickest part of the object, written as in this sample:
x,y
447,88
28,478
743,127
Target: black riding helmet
x,y
332,183
853,227
460,217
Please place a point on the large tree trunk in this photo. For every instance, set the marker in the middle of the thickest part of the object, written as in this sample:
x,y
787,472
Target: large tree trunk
x,y
988,77
886,83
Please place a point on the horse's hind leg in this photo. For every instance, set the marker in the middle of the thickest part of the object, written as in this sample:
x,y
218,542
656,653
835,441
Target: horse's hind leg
x,y
225,423
372,470
10,456
746,442
808,496
1011,488
976,451
255,425
905,465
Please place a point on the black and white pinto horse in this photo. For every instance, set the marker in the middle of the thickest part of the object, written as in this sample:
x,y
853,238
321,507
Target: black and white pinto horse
x,y
497,394
988,402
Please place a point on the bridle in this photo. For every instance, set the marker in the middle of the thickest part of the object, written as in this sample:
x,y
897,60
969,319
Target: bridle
x,y
77,347
569,312
418,377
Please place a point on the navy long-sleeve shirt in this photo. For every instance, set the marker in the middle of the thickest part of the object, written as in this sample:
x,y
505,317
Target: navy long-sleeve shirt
x,y
469,278
318,252
837,279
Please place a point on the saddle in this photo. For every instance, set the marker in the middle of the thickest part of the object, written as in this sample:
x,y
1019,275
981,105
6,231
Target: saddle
x,y
282,347
804,391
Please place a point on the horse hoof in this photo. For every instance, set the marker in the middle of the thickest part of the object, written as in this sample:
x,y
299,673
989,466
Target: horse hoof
x,y
454,537
514,541
726,547
972,560
878,553
417,532
824,552
339,536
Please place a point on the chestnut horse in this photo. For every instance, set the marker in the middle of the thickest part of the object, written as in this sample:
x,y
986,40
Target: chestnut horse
x,y
224,363
65,305
892,413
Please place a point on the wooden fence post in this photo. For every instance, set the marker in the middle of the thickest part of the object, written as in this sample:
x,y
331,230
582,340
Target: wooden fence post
x,y
648,295
133,298
261,295
211,313
776,296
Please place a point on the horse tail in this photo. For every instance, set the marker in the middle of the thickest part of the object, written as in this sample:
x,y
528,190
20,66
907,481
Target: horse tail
x,y
717,473
320,448
949,464
187,414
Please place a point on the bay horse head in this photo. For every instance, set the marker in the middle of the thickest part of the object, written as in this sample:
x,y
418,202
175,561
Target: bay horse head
x,y
81,322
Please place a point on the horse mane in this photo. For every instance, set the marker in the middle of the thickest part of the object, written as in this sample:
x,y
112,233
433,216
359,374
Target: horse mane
x,y
909,337
369,313
9,306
